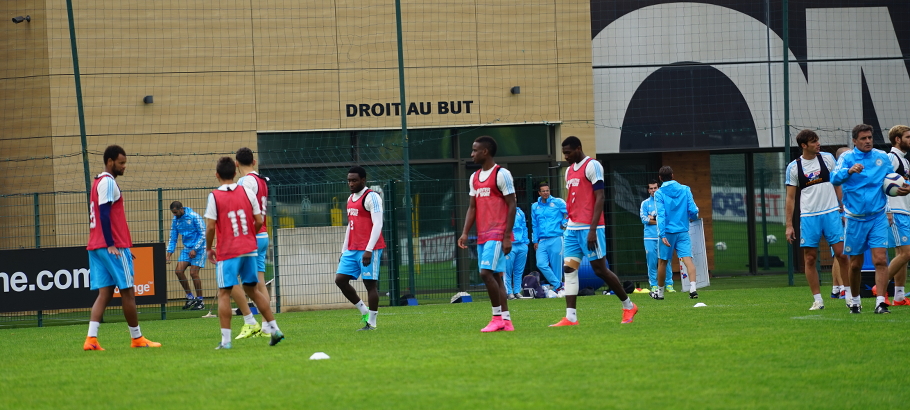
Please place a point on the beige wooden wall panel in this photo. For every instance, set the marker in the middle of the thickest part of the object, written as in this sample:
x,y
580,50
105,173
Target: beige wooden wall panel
x,y
448,84
576,84
516,32
439,34
24,45
573,31
25,142
694,169
295,35
366,35
368,86
538,101
183,102
298,100
116,36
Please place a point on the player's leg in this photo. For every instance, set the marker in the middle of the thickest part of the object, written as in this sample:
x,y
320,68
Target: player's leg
x,y
810,233
370,276
101,280
518,268
251,327
810,257
897,269
349,267
597,257
549,261
249,278
651,260
224,316
572,255
122,272
197,284
664,253
840,268
507,277
262,244
182,263
683,246
492,264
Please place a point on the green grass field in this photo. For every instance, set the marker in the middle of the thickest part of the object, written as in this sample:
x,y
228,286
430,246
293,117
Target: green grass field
x,y
751,347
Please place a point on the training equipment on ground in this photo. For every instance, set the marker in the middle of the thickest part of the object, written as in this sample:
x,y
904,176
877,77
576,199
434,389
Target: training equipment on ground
x,y
721,246
892,183
771,239
319,356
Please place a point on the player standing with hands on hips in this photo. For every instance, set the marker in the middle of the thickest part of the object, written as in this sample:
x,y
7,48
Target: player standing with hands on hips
x,y
109,259
861,172
584,235
492,206
361,253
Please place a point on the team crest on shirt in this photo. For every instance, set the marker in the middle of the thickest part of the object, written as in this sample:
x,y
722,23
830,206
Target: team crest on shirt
x,y
878,162
847,249
802,241
552,204
903,239
483,192
485,263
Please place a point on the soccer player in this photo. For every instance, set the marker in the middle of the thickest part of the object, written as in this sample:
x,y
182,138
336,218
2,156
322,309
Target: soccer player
x,y
233,215
518,258
648,215
361,253
584,235
675,208
548,220
109,259
819,208
252,182
492,206
861,172
899,215
189,224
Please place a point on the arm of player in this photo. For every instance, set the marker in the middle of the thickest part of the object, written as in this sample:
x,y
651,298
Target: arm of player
x,y
843,170
791,203
210,239
468,223
510,223
595,218
693,208
534,224
172,241
200,228
661,214
643,213
375,205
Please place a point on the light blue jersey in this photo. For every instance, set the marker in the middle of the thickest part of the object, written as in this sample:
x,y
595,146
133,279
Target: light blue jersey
x,y
675,207
192,228
548,218
648,208
520,228
862,191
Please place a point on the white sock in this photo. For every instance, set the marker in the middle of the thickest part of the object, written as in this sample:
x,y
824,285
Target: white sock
x,y
225,336
497,310
660,291
273,327
834,289
372,320
627,304
135,332
818,298
362,308
879,300
848,294
249,319
264,327
93,329
857,301
571,314
506,315
691,287
898,293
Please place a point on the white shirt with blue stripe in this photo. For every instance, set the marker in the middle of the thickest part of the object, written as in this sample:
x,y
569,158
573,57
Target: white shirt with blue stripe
x,y
503,180
108,191
817,199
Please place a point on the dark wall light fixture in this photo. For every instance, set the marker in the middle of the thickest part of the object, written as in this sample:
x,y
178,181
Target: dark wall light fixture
x,y
515,90
148,99
20,19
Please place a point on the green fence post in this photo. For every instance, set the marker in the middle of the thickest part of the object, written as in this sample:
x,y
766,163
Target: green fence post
x,y
161,239
395,248
785,16
38,239
275,280
764,217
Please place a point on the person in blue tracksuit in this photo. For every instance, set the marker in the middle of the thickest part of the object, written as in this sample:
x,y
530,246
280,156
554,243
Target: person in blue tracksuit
x,y
861,172
675,208
191,226
518,257
548,220
648,215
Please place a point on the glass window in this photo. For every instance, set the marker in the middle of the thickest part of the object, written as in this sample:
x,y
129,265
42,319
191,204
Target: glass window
x,y
510,140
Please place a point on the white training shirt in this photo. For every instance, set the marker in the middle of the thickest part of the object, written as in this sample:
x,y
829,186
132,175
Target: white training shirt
x,y
899,204
211,211
108,190
503,180
594,171
816,199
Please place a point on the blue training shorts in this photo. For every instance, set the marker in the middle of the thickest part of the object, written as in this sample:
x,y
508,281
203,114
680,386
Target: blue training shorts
x,y
575,244
351,264
199,260
106,269
811,229
862,235
490,257
262,242
900,231
227,271
678,241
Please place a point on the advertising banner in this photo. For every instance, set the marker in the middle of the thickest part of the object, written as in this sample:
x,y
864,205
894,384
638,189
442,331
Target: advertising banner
x,y
58,278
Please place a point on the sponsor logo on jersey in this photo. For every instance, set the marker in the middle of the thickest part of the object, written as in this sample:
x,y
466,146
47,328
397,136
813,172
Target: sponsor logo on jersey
x,y
572,182
352,211
483,192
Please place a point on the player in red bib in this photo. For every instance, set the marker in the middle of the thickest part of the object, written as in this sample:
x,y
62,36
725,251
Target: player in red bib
x,y
109,259
233,215
254,183
361,253
492,207
584,235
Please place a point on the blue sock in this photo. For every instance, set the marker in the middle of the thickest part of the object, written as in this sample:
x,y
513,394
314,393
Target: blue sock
x,y
199,297
189,296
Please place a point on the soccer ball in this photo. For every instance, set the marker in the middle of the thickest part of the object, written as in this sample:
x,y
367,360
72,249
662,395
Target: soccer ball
x,y
721,246
892,182
771,239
